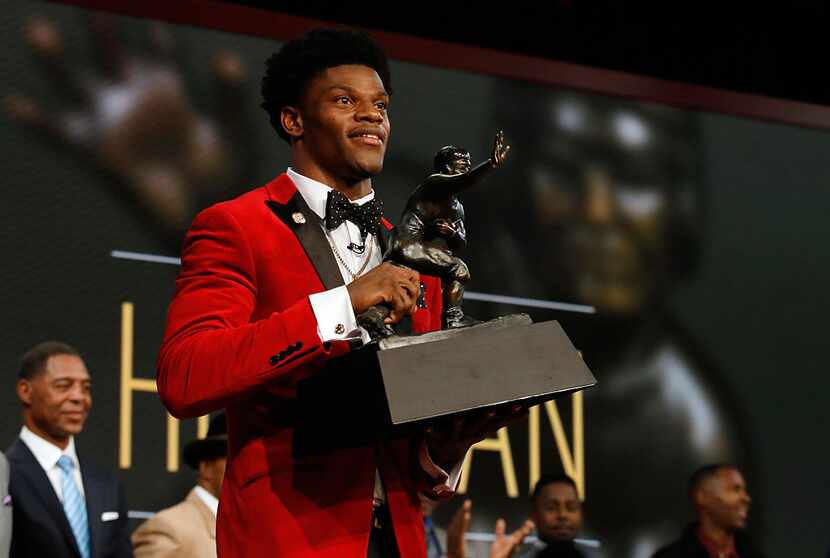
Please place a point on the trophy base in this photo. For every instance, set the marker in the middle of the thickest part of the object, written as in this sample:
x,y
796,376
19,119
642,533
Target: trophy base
x,y
398,385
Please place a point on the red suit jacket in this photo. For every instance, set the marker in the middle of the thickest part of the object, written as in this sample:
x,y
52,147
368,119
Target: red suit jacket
x,y
240,334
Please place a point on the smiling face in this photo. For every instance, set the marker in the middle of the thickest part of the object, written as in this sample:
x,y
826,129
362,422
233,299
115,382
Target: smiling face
x,y
341,128
57,400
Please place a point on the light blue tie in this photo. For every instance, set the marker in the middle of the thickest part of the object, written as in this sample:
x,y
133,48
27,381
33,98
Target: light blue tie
x,y
74,505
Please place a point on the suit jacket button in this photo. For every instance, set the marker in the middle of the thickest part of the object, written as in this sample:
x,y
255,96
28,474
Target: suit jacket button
x,y
340,329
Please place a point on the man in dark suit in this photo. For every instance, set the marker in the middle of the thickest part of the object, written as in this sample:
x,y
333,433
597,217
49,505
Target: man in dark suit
x,y
5,509
268,292
721,501
63,506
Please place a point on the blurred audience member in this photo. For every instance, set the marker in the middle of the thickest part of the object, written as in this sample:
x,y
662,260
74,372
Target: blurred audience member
x,y
132,117
188,529
504,546
63,505
5,508
557,513
435,547
721,502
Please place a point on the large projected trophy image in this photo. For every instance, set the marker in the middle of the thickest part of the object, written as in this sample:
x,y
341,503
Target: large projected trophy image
x,y
404,381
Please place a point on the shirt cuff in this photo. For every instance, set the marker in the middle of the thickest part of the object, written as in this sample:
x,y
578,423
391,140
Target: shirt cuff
x,y
445,484
335,318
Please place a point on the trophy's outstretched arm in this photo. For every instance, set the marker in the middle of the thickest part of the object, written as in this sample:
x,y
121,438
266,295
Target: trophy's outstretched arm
x,y
440,185
445,185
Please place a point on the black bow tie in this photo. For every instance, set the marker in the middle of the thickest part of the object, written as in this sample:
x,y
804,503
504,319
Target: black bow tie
x,y
339,209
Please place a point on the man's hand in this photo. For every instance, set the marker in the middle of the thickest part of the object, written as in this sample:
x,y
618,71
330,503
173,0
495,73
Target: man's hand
x,y
391,285
456,530
505,546
449,441
500,150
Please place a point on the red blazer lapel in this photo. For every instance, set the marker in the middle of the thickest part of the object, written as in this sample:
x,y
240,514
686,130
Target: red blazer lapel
x,y
287,204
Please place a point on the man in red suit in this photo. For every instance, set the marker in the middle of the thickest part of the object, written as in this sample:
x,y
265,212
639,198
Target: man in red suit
x,y
268,292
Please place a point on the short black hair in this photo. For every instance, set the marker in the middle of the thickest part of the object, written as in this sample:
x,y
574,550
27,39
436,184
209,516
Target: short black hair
x,y
33,361
545,480
289,70
447,155
705,473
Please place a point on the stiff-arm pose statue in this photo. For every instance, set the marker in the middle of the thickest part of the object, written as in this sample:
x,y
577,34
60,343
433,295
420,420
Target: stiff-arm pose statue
x,y
431,234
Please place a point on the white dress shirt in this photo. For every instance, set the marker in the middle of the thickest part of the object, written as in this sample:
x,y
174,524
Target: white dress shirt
x,y
211,501
47,454
333,308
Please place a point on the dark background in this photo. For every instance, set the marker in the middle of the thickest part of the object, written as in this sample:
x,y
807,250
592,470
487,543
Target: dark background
x,y
769,49
755,305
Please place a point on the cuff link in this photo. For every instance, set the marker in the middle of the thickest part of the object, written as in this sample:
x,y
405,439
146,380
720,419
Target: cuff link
x,y
340,329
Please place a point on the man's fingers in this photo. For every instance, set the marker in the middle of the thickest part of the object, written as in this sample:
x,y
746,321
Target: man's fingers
x,y
466,514
393,317
500,528
409,288
519,534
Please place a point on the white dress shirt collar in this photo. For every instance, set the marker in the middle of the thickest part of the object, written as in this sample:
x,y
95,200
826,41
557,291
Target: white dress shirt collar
x,y
316,193
47,453
211,501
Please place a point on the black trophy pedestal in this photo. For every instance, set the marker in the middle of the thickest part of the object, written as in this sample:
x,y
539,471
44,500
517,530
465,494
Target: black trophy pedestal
x,y
400,384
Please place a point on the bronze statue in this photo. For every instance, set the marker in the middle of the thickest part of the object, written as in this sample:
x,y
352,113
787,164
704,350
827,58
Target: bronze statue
x,y
431,234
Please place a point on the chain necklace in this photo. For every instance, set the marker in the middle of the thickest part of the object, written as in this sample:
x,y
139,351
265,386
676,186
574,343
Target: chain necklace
x,y
342,261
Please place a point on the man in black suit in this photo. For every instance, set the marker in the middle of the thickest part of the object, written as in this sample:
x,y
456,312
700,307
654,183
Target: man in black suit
x,y
63,506
5,509
721,501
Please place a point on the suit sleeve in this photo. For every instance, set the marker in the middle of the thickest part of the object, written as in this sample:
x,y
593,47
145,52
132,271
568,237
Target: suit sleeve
x,y
212,353
124,549
156,538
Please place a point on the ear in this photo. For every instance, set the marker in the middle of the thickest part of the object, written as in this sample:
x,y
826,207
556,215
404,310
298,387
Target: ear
x,y
699,497
292,122
24,391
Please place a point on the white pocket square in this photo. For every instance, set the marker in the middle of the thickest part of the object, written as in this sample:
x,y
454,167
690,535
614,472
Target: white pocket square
x,y
109,516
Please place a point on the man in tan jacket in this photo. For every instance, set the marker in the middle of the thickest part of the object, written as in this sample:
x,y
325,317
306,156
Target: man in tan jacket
x,y
188,529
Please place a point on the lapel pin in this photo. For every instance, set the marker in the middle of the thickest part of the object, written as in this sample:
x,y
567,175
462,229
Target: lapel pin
x,y
298,217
